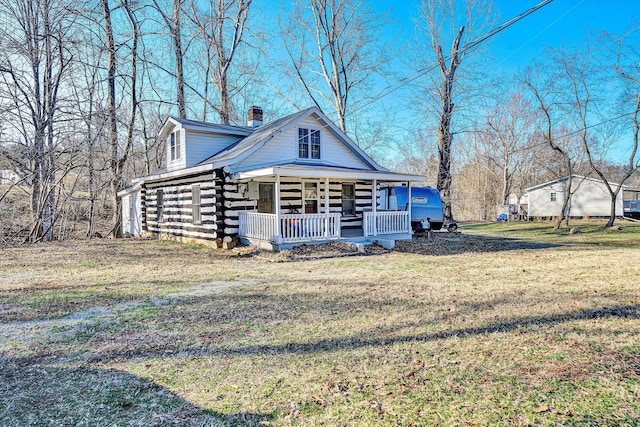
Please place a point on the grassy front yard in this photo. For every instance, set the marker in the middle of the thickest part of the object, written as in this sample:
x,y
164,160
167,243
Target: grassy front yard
x,y
542,328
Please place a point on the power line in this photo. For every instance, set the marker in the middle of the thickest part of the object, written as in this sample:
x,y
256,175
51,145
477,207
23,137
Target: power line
x,y
555,21
466,48
604,122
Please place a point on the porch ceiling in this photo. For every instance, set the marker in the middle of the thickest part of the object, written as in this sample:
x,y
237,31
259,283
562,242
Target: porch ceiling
x,y
300,171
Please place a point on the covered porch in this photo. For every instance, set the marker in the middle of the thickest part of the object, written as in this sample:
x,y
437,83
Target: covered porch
x,y
302,204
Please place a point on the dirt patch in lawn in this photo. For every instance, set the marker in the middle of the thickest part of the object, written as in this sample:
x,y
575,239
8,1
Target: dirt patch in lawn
x,y
437,243
442,243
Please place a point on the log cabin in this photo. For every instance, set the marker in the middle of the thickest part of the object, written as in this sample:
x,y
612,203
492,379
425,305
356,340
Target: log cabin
x,y
296,180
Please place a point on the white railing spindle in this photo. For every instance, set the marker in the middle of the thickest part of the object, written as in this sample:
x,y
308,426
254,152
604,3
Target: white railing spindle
x,y
295,227
386,222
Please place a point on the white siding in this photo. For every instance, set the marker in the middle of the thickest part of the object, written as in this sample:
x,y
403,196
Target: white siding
x,y
593,199
201,146
540,203
590,199
131,218
283,147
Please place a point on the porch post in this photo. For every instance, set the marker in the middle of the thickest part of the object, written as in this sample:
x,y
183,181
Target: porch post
x,y
278,211
374,205
326,207
409,203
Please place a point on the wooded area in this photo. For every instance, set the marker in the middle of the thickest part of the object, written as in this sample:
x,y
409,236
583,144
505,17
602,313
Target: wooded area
x,y
85,87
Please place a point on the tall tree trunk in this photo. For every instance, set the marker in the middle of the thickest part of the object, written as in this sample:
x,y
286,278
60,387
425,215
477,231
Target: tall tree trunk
x,y
91,177
565,214
50,196
112,119
177,48
48,214
39,179
175,31
225,100
444,134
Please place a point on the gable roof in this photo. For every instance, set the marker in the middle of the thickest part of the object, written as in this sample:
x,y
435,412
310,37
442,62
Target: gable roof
x,y
566,177
262,134
251,139
196,125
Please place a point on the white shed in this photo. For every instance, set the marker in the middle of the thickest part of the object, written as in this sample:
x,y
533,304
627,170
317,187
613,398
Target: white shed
x,y
590,198
131,211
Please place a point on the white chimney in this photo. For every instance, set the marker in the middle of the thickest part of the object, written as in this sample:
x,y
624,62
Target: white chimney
x,y
255,117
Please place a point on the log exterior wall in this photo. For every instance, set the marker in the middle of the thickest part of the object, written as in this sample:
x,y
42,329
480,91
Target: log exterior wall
x,y
221,201
177,218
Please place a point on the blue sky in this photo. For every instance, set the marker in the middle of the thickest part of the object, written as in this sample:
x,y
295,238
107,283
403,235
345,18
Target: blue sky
x,y
560,22
563,22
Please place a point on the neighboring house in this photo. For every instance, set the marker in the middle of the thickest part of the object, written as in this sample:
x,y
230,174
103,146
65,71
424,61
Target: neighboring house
x,y
590,198
299,179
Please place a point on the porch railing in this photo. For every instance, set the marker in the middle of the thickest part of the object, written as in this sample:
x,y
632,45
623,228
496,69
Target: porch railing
x,y
293,227
256,225
386,222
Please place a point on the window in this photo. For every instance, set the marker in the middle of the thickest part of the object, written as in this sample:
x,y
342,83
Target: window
x,y
174,145
308,143
310,197
195,204
348,200
553,197
265,197
159,205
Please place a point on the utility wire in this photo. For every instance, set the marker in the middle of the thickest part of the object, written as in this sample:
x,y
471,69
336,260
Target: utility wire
x,y
555,21
465,49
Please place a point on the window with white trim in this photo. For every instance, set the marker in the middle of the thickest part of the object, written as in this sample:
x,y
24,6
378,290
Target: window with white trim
x,y
308,143
174,146
553,197
159,205
195,204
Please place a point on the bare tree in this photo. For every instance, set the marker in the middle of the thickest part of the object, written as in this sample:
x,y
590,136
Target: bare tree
x,y
333,52
174,26
221,26
34,63
585,81
86,90
438,19
554,131
510,124
119,157
626,66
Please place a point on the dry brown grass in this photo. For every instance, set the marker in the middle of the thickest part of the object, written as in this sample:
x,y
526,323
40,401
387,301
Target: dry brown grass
x,y
153,333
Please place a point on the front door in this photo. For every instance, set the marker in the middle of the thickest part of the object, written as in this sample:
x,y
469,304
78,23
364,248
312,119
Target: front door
x,y
310,197
265,197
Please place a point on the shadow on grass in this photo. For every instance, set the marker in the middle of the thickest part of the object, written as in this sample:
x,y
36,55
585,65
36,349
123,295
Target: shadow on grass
x,y
361,341
46,395
460,243
374,338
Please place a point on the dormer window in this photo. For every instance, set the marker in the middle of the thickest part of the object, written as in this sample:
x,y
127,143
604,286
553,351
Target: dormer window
x,y
174,145
308,143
